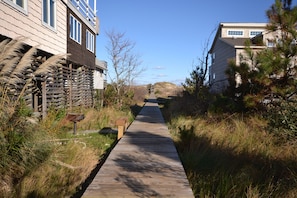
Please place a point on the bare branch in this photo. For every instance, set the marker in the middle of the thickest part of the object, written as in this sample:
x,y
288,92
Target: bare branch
x,y
125,63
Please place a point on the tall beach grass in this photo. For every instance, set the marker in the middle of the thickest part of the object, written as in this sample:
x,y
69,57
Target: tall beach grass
x,y
43,159
234,156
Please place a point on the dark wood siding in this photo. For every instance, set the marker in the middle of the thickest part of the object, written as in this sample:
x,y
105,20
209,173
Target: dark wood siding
x,y
79,53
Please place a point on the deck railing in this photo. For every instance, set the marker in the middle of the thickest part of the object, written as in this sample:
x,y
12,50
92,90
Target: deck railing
x,y
86,10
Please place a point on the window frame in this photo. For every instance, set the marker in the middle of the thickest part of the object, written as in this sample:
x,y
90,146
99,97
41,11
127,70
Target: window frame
x,y
213,57
13,3
270,43
251,36
235,35
51,14
77,34
213,76
90,41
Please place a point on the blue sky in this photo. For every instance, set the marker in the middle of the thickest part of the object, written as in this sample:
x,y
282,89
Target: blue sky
x,y
170,34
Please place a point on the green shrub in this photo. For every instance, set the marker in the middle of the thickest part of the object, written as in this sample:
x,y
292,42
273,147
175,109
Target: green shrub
x,y
110,96
282,121
225,104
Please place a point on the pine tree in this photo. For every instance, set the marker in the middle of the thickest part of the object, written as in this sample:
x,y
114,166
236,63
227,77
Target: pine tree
x,y
269,76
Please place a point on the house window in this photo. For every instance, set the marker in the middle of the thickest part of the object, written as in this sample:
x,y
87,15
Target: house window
x,y
213,57
270,43
235,33
255,33
75,29
49,12
90,41
21,5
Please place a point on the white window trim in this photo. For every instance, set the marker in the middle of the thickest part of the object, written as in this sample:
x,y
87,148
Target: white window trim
x,y
235,35
251,36
12,3
90,41
80,29
47,24
213,55
270,43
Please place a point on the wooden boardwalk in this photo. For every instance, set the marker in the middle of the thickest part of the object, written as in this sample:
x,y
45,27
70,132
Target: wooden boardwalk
x,y
144,163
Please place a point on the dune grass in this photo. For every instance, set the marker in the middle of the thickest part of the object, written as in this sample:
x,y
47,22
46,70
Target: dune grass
x,y
46,159
43,158
72,157
234,157
70,163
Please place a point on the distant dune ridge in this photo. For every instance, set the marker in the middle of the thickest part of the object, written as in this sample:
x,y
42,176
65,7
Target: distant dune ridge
x,y
166,89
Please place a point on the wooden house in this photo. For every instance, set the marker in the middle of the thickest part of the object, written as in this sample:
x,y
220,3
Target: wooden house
x,y
229,43
57,27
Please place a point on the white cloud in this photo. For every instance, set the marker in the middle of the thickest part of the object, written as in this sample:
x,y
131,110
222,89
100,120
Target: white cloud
x,y
159,67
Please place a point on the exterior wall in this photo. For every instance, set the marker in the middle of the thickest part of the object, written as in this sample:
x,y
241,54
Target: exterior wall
x,y
99,75
69,86
223,52
240,52
14,23
270,35
218,78
99,79
246,27
79,53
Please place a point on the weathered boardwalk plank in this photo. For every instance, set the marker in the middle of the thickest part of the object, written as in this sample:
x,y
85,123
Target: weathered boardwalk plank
x,y
144,163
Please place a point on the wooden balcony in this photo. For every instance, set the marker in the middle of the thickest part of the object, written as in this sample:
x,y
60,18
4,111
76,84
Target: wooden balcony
x,y
87,10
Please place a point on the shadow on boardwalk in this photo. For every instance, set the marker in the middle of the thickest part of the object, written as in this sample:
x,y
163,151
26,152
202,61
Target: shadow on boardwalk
x,y
144,163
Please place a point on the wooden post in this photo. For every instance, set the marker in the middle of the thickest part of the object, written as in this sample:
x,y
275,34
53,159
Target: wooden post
x,y
44,105
75,117
74,128
70,87
35,100
121,130
121,123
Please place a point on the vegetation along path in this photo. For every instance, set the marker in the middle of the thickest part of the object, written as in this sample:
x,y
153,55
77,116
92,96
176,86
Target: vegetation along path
x,y
144,163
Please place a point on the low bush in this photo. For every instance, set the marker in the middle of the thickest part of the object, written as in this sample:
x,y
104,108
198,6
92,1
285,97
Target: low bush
x,y
282,121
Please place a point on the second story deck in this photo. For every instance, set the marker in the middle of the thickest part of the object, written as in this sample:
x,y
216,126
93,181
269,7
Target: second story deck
x,y
87,10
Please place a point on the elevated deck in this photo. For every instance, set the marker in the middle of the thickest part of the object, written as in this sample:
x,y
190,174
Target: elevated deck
x,y
144,163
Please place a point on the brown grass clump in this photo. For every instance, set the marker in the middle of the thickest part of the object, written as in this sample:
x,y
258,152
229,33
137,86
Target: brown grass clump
x,y
234,157
105,117
140,94
66,169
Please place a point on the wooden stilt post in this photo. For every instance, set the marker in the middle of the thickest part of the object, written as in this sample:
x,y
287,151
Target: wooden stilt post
x,y
44,102
70,87
35,100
